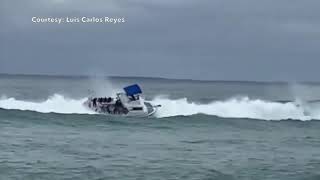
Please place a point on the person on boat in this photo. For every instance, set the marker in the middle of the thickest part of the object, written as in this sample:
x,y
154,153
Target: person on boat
x,y
134,98
108,109
117,107
94,102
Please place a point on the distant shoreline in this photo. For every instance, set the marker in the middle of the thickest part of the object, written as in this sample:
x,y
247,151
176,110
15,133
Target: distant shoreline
x,y
154,78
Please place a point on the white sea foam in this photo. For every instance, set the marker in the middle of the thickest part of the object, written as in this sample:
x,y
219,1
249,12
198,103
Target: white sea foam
x,y
56,103
238,108
232,108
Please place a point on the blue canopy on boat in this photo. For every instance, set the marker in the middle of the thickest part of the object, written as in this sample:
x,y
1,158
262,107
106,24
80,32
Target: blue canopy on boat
x,y
132,90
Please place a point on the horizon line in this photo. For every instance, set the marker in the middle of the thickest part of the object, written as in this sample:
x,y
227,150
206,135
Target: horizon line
x,y
153,77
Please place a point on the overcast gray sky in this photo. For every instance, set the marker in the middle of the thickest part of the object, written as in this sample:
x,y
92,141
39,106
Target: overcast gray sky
x,y
261,40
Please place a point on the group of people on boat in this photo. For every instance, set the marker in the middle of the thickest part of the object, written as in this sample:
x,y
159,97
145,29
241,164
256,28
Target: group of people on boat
x,y
101,100
107,105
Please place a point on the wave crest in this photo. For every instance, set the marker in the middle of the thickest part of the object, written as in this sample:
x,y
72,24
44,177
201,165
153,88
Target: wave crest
x,y
236,108
243,107
55,103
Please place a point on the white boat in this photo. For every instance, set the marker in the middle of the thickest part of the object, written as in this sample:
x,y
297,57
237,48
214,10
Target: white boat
x,y
127,103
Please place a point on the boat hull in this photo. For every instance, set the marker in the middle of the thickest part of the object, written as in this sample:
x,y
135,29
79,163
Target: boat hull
x,y
113,110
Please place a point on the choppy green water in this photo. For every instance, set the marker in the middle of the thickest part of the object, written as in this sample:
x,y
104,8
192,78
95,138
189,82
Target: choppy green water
x,y
200,145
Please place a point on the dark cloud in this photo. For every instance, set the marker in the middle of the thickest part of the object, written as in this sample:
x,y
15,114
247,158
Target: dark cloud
x,y
205,39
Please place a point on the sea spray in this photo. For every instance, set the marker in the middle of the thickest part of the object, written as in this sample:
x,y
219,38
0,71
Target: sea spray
x,y
101,86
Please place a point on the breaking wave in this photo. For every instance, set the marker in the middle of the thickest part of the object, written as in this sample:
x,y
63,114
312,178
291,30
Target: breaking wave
x,y
239,108
56,104
231,108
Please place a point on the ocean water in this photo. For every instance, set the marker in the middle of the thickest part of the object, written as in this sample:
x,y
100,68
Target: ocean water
x,y
204,130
